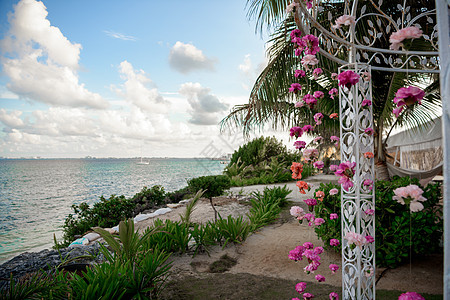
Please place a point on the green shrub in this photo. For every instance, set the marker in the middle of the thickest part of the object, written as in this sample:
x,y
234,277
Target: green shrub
x,y
397,230
149,198
106,213
235,230
214,185
178,195
172,236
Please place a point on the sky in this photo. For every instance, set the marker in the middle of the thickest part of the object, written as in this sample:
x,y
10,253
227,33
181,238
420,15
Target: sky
x,y
123,78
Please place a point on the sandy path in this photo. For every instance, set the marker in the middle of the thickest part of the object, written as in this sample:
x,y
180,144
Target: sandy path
x,y
266,252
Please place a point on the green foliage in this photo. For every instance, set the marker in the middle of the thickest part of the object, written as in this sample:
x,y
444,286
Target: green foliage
x,y
398,231
178,195
266,206
171,236
38,285
106,213
235,230
213,185
150,197
186,217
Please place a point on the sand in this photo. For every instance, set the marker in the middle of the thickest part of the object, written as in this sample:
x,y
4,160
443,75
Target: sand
x,y
265,252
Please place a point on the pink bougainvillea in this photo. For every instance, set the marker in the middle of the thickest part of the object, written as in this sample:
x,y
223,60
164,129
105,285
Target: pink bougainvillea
x,y
308,128
333,92
319,164
333,268
317,72
318,94
300,287
320,278
334,242
300,73
333,216
318,118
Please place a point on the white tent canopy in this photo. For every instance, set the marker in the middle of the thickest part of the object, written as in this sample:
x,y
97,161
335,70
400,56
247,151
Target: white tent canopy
x,y
417,151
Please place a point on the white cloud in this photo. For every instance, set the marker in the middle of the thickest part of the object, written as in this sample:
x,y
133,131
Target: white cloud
x,y
120,36
205,107
246,67
11,119
139,90
42,63
186,58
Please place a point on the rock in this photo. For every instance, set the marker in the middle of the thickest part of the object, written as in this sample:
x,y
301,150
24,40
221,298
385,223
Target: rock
x,y
34,261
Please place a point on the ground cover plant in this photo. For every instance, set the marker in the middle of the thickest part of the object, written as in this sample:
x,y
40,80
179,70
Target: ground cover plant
x,y
399,231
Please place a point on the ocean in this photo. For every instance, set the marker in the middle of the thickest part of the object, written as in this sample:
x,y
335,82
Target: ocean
x,y
37,194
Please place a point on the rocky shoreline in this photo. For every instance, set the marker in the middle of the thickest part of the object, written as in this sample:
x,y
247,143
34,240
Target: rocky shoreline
x,y
30,262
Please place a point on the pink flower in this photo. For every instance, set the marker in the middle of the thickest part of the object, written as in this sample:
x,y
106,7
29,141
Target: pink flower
x,y
295,88
296,33
368,183
320,278
291,7
312,44
333,216
334,76
308,4
334,296
320,195
319,164
296,211
310,154
299,73
334,138
311,202
318,139
308,245
366,103
334,242
299,145
410,195
333,168
366,76
319,221
318,118
300,287
333,92
346,170
333,191
397,38
308,128
348,78
369,212
333,268
296,131
345,20
310,100
309,217
410,296
309,60
354,238
369,131
410,95
299,104
307,296
318,250
297,253
317,72
369,239
318,94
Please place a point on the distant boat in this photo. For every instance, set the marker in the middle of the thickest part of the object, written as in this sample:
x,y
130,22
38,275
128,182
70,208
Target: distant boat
x,y
143,162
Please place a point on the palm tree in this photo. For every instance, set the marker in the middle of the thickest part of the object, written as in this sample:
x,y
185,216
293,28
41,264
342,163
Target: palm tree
x,y
270,102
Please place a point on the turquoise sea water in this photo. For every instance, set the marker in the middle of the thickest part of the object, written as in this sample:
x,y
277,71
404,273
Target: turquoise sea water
x,y
36,195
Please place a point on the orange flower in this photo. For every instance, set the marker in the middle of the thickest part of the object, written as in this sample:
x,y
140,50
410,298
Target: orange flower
x,y
297,169
320,195
302,186
333,116
368,155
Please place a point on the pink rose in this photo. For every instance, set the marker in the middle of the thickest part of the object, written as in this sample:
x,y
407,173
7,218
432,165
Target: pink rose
x,y
397,38
345,20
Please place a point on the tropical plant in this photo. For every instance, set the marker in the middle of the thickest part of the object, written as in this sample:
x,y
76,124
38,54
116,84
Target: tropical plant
x,y
234,230
399,233
271,103
186,216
